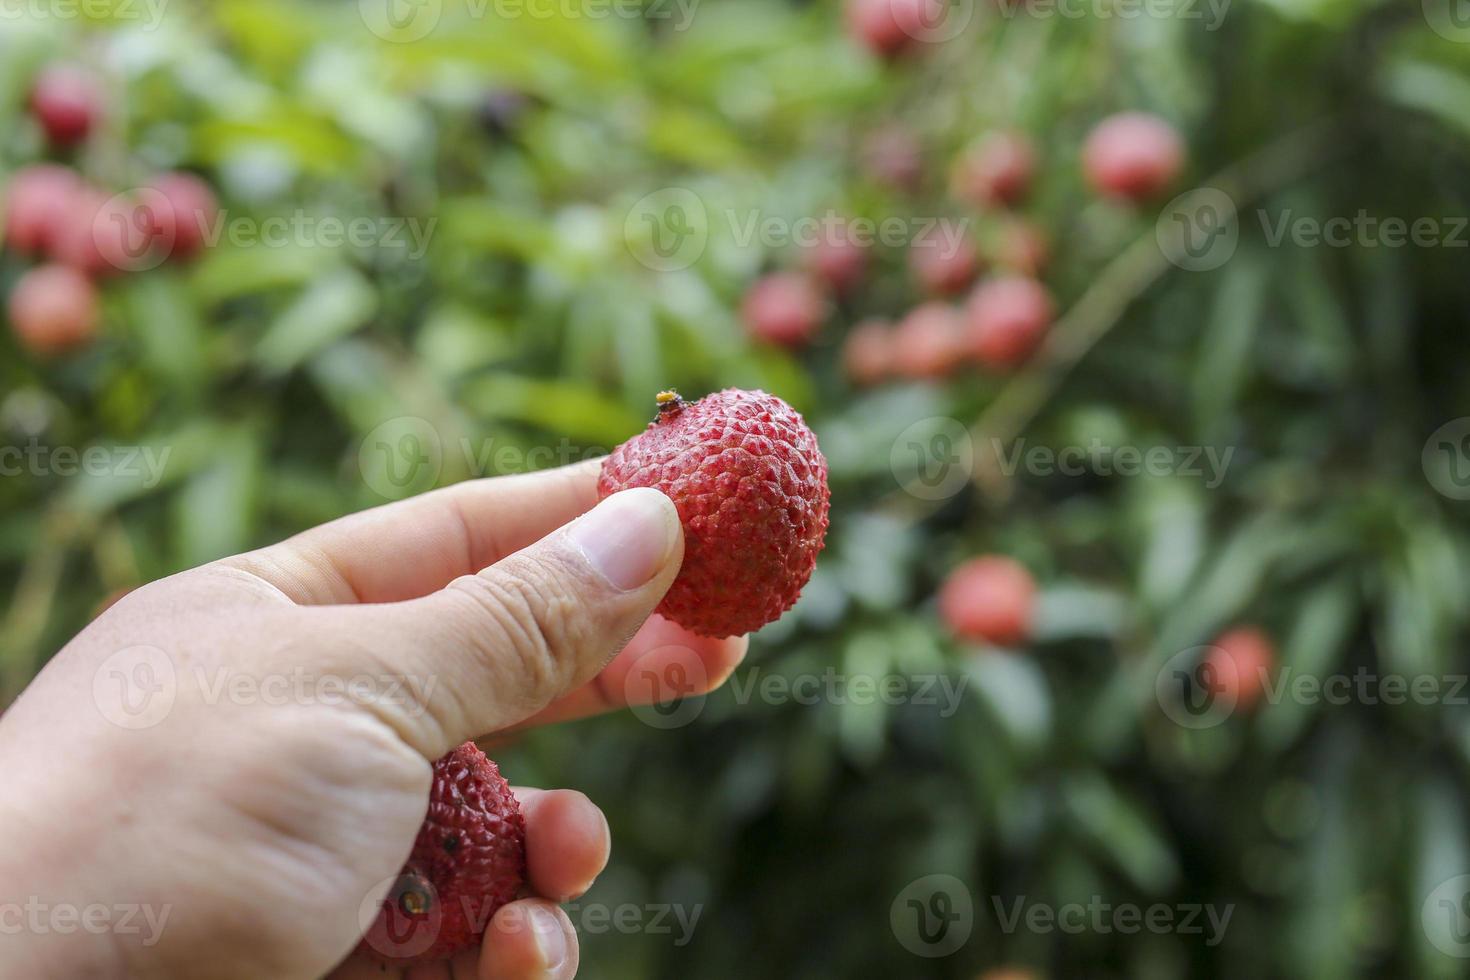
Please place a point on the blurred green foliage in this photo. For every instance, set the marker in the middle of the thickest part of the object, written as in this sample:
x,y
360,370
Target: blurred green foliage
x,y
509,308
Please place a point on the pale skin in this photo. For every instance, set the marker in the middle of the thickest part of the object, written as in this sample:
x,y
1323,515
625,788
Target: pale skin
x,y
258,812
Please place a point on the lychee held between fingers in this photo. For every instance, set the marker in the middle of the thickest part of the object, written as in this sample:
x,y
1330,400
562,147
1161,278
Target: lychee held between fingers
x,y
468,860
750,485
990,599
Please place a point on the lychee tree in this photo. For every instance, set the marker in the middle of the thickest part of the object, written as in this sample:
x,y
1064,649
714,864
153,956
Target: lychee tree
x,y
421,259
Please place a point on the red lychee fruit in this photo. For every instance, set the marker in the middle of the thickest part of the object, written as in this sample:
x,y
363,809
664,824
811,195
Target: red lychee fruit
x,y
54,309
1022,247
995,172
891,156
468,860
35,204
990,599
102,234
67,102
783,308
181,213
943,260
1133,156
867,353
929,342
1006,318
750,485
889,28
1238,665
838,259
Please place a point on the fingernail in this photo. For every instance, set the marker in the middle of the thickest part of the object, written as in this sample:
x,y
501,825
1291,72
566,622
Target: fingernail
x,y
629,537
551,942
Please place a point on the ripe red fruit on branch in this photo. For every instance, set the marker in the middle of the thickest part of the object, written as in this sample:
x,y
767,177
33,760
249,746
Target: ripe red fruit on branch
x,y
35,203
837,258
996,171
1021,246
53,309
891,156
783,308
67,102
181,209
990,599
468,860
943,260
750,485
867,353
1239,664
102,233
888,28
1006,318
929,342
1132,155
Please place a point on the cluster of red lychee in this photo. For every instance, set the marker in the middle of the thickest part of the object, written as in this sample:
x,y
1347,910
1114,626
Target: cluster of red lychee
x,y
79,232
1130,157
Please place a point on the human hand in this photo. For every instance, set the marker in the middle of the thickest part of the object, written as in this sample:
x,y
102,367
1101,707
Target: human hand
x,y
199,752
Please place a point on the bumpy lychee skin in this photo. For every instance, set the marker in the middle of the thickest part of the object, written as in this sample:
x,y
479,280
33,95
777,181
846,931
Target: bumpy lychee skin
x,y
468,860
750,486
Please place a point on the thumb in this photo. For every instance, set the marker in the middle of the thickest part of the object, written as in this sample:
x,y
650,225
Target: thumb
x,y
490,650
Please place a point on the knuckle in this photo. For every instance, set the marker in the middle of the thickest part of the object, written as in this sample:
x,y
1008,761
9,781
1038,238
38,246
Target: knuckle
x,y
535,628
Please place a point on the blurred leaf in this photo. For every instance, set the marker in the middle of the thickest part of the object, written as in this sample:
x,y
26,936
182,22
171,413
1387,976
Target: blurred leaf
x,y
331,308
